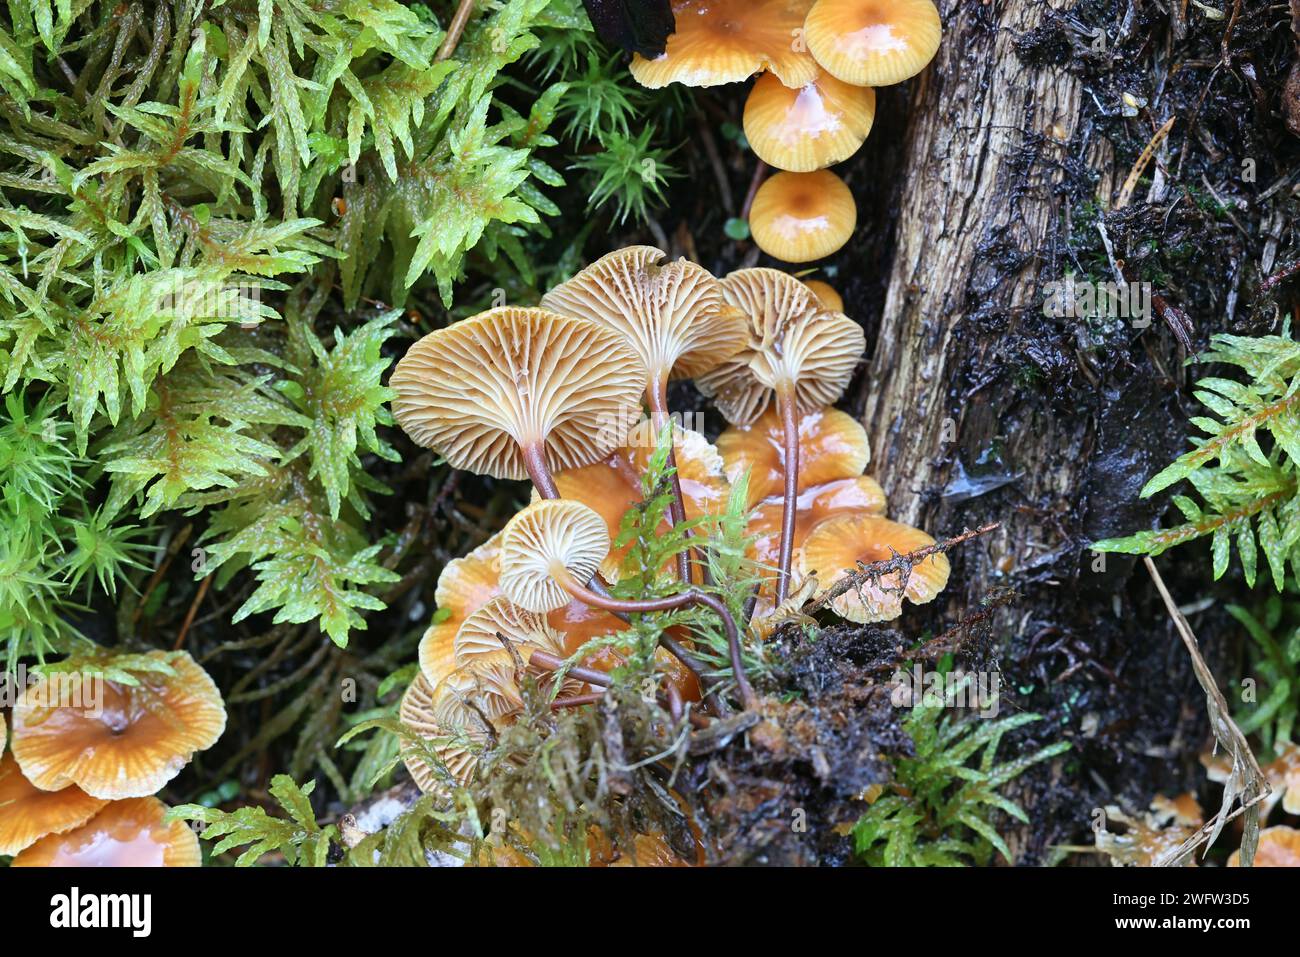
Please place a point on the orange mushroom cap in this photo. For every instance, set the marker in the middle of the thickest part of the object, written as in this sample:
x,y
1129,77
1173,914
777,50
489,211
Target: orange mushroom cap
x,y
522,377
137,740
796,347
832,445
826,294
128,833
27,813
613,486
834,548
1278,847
464,586
817,125
799,217
855,496
672,314
726,41
873,42
480,652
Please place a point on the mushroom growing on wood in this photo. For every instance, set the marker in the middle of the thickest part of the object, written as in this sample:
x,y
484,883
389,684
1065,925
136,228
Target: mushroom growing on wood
x,y
826,294
553,546
834,548
873,42
832,445
613,486
136,740
726,41
672,314
516,393
817,125
799,217
454,728
480,651
854,496
28,814
464,586
799,354
128,833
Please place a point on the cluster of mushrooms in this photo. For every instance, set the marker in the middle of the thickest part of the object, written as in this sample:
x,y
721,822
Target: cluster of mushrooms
x,y
517,393
813,103
78,776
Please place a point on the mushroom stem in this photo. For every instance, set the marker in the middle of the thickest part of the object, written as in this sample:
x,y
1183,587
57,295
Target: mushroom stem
x,y
790,426
691,596
577,700
549,662
539,471
657,393
455,29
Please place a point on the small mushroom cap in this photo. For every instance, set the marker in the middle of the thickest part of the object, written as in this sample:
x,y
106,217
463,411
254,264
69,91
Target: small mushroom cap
x,y
795,345
27,813
481,652
128,833
445,717
464,586
799,217
130,743
818,125
550,538
835,546
613,486
826,295
854,496
672,314
832,445
873,42
478,390
726,41
1278,847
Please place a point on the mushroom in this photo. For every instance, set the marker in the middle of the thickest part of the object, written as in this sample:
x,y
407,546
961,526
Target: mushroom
x,y
127,833
826,294
673,315
836,545
832,445
27,813
456,728
550,548
515,393
480,650
1278,847
726,41
854,496
817,125
133,743
613,486
799,217
464,586
873,42
581,623
799,353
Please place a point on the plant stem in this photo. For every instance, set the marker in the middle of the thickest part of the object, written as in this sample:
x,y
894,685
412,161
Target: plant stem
x,y
790,428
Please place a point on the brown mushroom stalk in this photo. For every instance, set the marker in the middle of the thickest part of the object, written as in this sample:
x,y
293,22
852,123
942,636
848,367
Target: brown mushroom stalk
x,y
550,548
790,424
690,596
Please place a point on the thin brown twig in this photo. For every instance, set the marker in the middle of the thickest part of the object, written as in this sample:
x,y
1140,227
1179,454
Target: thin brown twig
x,y
455,29
194,607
